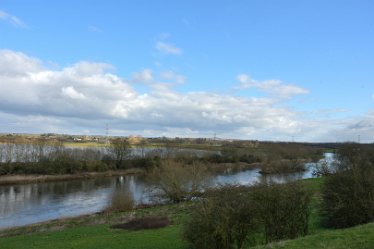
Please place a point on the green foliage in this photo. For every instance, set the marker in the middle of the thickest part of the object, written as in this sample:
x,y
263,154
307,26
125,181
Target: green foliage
x,y
229,217
222,220
284,210
348,194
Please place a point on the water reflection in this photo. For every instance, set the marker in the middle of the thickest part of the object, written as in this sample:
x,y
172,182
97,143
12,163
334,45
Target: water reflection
x,y
25,204
31,203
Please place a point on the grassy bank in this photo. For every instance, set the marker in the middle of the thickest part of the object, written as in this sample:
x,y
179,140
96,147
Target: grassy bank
x,y
359,237
94,231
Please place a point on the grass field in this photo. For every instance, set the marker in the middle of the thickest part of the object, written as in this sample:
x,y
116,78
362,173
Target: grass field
x,y
360,237
85,233
98,237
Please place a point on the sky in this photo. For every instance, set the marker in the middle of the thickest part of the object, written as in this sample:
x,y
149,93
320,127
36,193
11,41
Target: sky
x,y
246,69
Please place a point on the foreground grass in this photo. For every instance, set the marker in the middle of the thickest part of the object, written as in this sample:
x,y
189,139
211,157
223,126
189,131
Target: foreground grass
x,y
98,237
94,231
359,237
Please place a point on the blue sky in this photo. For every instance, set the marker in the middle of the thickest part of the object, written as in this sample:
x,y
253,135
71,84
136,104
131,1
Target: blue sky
x,y
241,69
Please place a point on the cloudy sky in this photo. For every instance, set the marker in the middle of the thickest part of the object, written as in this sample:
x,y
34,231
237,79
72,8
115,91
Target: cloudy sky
x,y
267,70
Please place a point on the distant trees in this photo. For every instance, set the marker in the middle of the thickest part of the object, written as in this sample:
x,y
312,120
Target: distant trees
x,y
49,158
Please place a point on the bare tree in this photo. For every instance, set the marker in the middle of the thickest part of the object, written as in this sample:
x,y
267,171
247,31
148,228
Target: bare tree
x,y
120,150
176,181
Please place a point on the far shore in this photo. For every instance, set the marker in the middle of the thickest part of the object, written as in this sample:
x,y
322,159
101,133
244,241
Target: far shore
x,y
30,178
24,179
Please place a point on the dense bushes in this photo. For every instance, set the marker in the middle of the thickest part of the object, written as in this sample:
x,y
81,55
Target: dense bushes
x,y
284,210
233,217
224,219
348,193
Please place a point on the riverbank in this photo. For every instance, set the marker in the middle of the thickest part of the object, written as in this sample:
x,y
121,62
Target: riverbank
x,y
24,179
32,178
94,231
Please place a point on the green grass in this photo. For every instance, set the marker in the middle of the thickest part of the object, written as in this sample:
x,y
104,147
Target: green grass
x,y
360,237
85,233
98,237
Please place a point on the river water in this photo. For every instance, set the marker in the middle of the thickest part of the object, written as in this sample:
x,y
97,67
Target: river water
x,y
31,203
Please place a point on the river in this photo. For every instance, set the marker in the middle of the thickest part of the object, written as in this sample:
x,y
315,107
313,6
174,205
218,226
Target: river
x,y
31,203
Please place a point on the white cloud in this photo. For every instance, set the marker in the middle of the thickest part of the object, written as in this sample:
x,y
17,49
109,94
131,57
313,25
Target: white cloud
x,y
72,93
145,76
16,63
15,21
351,128
86,95
274,87
168,48
85,91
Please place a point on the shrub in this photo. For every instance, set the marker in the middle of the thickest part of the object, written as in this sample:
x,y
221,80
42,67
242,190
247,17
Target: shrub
x,y
224,219
284,210
147,162
231,216
348,194
176,181
121,201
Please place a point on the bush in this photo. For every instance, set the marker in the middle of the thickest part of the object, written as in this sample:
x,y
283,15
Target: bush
x,y
284,210
348,194
225,219
176,181
147,163
121,201
232,217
